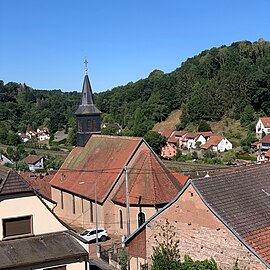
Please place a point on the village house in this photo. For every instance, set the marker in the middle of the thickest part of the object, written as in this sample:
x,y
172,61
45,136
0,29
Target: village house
x,y
4,159
167,133
217,144
168,151
96,174
34,162
265,143
225,217
43,134
31,236
262,127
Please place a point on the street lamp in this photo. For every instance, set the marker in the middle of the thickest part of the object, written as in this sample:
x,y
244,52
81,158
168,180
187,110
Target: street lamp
x,y
82,183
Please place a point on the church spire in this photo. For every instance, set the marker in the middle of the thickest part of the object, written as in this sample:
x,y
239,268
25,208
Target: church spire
x,y
88,115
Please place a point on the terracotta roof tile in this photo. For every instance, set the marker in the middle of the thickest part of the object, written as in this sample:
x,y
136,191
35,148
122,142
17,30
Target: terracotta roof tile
x,y
266,139
100,161
40,184
32,159
206,133
172,139
150,181
180,177
213,141
267,154
242,200
265,121
179,133
167,133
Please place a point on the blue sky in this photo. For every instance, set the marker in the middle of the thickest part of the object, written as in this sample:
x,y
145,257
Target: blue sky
x,y
44,43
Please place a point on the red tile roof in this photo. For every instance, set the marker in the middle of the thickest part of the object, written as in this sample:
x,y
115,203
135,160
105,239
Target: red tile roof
x,y
206,133
267,154
38,182
180,177
149,181
213,141
265,121
172,139
179,133
259,240
100,161
266,139
32,159
167,133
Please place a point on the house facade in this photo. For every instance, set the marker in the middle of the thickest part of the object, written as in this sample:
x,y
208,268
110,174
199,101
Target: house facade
x,y
4,159
262,126
169,150
217,144
31,237
223,217
34,162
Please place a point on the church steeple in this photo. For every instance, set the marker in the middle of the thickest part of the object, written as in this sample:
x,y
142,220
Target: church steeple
x,y
88,116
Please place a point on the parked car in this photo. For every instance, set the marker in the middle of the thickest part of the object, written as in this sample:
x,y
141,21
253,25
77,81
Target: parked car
x,y
90,234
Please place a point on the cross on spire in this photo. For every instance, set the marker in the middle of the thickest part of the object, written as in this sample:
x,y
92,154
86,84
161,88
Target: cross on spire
x,y
86,68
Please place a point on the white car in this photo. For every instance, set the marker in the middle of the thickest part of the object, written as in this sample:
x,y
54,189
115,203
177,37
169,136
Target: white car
x,y
90,234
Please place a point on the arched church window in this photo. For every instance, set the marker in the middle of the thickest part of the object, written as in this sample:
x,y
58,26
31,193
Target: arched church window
x,y
121,219
141,218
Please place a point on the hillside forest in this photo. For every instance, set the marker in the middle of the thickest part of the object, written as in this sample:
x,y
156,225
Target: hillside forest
x,y
226,82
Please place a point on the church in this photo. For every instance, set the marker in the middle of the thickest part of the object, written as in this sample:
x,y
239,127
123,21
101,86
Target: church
x,y
115,182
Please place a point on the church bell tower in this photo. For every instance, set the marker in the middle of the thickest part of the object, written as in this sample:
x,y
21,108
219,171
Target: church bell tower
x,y
88,116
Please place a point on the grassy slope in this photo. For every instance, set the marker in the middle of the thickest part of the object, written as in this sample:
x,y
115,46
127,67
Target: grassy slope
x,y
230,128
169,123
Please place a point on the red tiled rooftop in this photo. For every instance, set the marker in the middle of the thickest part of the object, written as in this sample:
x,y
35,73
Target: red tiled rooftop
x,y
206,133
149,181
167,133
213,141
40,184
100,161
180,177
265,121
172,139
32,159
266,139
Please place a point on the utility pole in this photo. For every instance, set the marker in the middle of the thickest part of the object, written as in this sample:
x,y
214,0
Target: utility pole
x,y
127,202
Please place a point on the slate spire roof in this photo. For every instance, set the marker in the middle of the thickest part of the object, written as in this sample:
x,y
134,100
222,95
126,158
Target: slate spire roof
x,y
87,105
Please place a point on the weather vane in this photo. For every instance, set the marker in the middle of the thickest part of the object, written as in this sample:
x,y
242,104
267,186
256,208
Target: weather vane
x,y
86,68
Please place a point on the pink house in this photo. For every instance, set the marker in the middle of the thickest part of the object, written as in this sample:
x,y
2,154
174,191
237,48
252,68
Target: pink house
x,y
168,151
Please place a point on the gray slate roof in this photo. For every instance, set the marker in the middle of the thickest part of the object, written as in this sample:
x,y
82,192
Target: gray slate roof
x,y
26,252
242,201
11,182
87,105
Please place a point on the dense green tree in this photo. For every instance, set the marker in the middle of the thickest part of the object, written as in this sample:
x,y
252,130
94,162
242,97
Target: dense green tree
x,y
204,126
155,140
